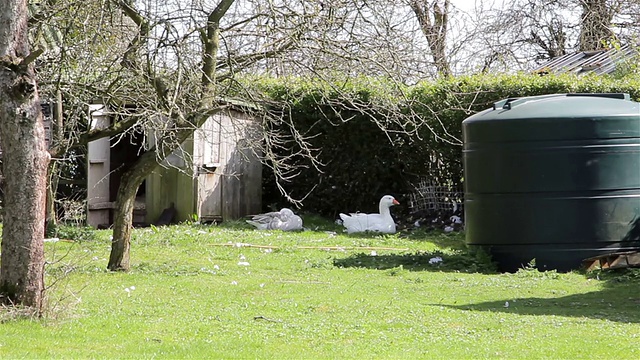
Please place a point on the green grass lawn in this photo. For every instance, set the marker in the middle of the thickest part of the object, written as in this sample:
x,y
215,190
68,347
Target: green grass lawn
x,y
197,291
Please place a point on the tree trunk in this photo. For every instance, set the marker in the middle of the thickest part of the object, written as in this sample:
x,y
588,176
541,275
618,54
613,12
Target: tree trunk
x,y
434,30
25,161
595,30
56,150
141,168
125,199
123,212
51,219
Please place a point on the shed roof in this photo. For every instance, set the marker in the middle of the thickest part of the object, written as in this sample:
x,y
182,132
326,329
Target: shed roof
x,y
583,62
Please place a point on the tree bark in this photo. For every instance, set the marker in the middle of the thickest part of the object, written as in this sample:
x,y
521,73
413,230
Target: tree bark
x,y
434,30
595,31
56,150
123,212
25,161
51,220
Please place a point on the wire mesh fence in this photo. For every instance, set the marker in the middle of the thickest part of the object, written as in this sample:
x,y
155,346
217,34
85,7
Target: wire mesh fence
x,y
430,197
437,206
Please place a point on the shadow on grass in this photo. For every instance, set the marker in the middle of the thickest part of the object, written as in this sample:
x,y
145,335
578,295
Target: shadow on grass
x,y
456,257
453,240
459,261
619,303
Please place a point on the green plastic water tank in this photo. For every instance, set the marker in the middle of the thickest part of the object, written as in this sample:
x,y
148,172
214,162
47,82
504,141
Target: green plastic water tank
x,y
555,178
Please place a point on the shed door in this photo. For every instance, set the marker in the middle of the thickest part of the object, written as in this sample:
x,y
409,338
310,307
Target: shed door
x,y
98,169
209,195
209,184
230,177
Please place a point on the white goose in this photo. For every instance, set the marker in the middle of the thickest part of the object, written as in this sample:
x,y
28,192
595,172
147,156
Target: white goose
x,y
284,220
382,222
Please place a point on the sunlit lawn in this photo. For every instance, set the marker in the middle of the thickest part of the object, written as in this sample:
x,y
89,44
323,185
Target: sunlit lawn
x,y
197,291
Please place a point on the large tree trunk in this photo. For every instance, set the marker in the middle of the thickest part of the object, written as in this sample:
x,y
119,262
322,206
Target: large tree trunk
x,y
123,212
595,32
25,160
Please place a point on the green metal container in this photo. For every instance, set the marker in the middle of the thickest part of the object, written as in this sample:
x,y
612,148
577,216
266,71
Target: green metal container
x,y
555,178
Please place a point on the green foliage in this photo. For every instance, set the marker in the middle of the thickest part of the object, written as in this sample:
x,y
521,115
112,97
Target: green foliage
x,y
532,271
75,233
618,275
344,123
51,229
375,137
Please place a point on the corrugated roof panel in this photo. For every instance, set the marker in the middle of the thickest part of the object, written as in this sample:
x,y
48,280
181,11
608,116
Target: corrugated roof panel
x,y
599,62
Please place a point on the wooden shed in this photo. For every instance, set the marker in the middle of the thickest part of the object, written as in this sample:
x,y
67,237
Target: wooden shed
x,y
216,175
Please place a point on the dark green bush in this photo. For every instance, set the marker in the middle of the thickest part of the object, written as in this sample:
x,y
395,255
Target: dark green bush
x,y
374,137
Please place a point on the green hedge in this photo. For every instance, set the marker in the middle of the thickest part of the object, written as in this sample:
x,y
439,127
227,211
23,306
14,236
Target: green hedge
x,y
421,137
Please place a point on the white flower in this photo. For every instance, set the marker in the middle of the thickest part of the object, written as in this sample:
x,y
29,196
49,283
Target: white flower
x,y
234,282
242,257
435,260
506,304
243,263
216,267
374,253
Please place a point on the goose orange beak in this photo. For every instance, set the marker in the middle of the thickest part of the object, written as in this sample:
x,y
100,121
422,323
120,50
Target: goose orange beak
x,y
395,202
